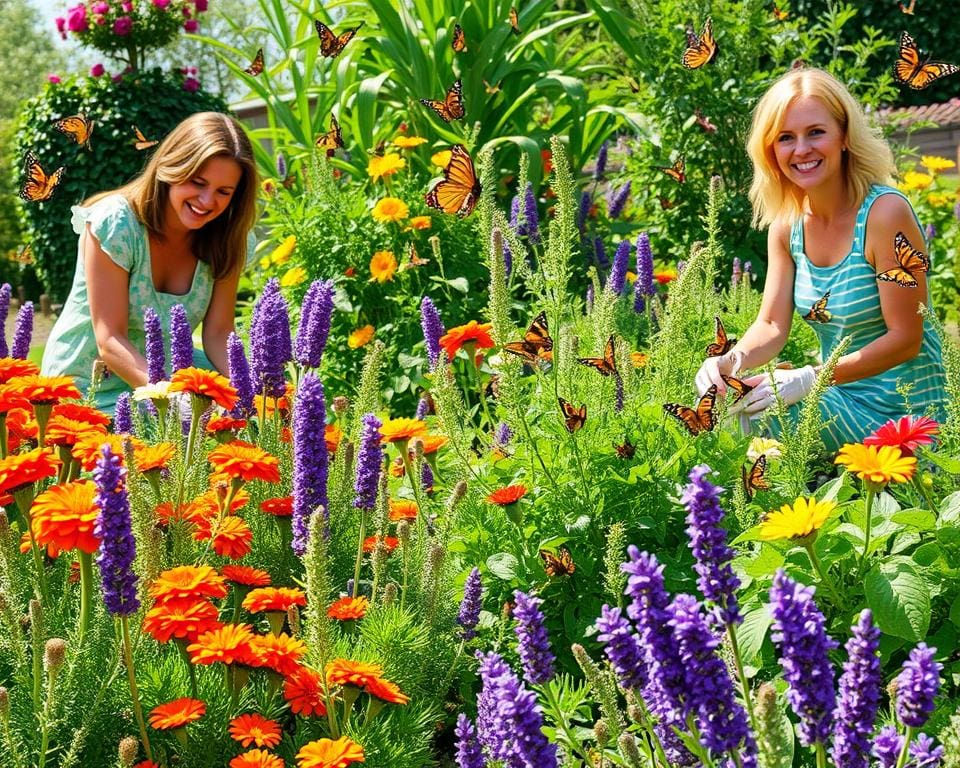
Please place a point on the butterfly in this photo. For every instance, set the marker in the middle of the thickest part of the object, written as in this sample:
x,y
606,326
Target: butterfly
x,y
332,138
415,259
451,108
911,71
491,88
632,84
818,312
459,40
908,9
666,203
754,480
910,261
514,21
77,127
574,418
558,565
677,171
25,256
737,386
38,186
704,122
142,142
700,50
722,344
778,14
625,450
460,189
332,45
606,365
699,419
256,66
536,343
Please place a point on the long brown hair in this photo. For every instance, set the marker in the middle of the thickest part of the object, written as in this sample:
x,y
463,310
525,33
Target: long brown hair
x,y
222,243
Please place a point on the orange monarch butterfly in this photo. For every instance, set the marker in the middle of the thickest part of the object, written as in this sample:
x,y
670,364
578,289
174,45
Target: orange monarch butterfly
x,y
700,50
778,14
722,344
414,259
737,386
574,418
699,419
332,45
908,9
256,66
704,122
625,450
514,21
77,127
536,343
38,186
332,138
558,565
460,189
142,142
909,70
910,262
451,108
606,365
459,40
755,480
25,256
677,171
818,312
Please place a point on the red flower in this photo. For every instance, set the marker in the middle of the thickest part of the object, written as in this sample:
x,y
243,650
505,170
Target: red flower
x,y
279,507
273,599
472,332
390,542
508,495
906,433
255,729
185,618
303,690
245,575
176,714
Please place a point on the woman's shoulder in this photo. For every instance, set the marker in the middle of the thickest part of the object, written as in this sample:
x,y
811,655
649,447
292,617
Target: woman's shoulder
x,y
112,210
889,205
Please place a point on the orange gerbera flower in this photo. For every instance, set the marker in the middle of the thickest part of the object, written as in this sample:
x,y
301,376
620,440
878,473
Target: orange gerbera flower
x,y
229,644
390,542
508,495
184,618
20,469
188,581
255,729
77,412
64,515
273,599
14,367
87,449
208,384
332,436
473,332
280,507
43,390
403,509
21,427
303,690
65,431
433,443
399,430
153,458
176,714
257,758
330,753
384,689
166,514
240,459
225,424
231,535
281,653
349,608
10,398
348,672
26,545
208,502
245,576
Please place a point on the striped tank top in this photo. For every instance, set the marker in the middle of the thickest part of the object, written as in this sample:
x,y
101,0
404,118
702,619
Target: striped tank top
x,y
856,409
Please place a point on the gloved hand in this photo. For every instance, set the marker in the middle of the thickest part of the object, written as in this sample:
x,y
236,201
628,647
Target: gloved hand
x,y
792,385
712,368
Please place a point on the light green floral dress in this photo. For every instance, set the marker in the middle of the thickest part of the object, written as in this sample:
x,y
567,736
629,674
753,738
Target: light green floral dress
x,y
72,348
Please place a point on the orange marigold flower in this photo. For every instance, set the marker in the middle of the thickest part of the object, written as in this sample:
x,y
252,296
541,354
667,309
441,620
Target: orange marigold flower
x,y
153,458
228,644
41,390
210,384
77,412
188,581
403,509
14,367
65,431
245,575
508,495
281,506
349,608
208,502
398,430
231,535
225,424
330,753
188,512
177,713
64,515
184,618
20,469
473,332
26,545
274,599
664,276
332,436
10,398
255,729
384,689
87,449
349,672
390,542
433,443
303,690
281,653
257,758
240,459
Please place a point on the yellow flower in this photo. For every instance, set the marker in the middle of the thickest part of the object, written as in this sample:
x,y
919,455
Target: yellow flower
x,y
805,517
383,265
269,187
877,465
441,159
385,166
281,254
939,200
933,163
913,180
156,391
408,142
639,359
763,446
293,276
390,209
631,277
360,337
419,222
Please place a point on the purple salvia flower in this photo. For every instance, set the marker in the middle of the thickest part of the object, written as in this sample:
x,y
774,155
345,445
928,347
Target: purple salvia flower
x,y
531,215
468,748
23,332
432,329
583,210
859,696
601,165
617,200
503,434
426,477
310,459
519,227
887,747
708,541
622,648
600,253
619,393
923,754
270,344
5,292
314,328
118,548
181,339
803,645
240,377
369,463
930,232
281,166
155,352
469,615
617,278
122,415
643,286
747,269
588,299
423,409
736,272
917,686
533,645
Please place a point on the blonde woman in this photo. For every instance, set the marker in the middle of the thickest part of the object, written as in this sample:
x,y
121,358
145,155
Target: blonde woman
x,y
820,185
180,233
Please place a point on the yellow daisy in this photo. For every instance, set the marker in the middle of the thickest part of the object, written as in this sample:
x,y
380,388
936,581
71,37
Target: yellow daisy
x,y
933,163
419,222
387,165
383,266
360,337
293,276
763,446
281,254
441,159
390,209
408,142
877,465
804,518
913,180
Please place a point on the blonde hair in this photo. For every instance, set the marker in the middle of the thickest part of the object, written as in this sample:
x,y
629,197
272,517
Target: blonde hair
x,y
867,161
222,243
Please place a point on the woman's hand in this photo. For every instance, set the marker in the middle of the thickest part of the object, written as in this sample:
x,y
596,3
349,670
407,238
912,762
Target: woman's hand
x,y
715,368
791,384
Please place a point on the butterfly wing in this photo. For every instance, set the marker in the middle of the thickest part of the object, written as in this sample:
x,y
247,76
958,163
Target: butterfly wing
x,y
818,312
910,263
256,66
38,186
558,565
77,127
514,21
910,70
452,107
699,419
722,344
700,50
459,40
606,365
538,335
574,418
737,386
677,171
332,45
142,142
332,138
460,189
779,14
705,412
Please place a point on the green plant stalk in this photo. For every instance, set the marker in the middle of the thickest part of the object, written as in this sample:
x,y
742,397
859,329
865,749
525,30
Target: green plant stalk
x,y
744,683
11,744
24,499
86,592
822,755
182,648
575,746
37,673
818,567
918,482
414,478
583,476
131,676
483,400
904,753
406,572
521,417
651,734
45,723
196,410
356,567
866,532
702,753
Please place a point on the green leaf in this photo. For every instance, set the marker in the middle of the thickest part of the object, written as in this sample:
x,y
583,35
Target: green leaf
x,y
459,284
949,463
899,599
766,562
503,565
950,510
752,631
921,519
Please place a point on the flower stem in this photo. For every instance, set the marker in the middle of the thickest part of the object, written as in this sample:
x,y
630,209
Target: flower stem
x,y
821,755
866,532
818,567
86,590
137,710
197,408
744,683
918,481
904,753
356,567
536,451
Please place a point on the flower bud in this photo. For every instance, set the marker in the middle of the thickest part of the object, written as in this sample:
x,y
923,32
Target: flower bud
x,y
456,496
389,593
4,525
54,654
628,748
403,532
602,733
635,713
340,405
416,446
129,747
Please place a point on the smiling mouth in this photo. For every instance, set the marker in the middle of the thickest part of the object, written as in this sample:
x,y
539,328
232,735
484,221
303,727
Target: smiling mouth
x,y
197,211
808,166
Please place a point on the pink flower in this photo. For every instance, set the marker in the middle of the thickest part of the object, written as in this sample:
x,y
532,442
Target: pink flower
x,y
190,25
52,78
97,70
127,7
100,20
201,5
122,26
61,24
100,8
77,18
191,84
905,433
161,4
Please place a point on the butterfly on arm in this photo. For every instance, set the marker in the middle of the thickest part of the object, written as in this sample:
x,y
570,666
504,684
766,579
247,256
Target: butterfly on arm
x,y
536,345
912,70
77,127
452,107
910,263
721,343
459,190
701,49
818,312
332,45
331,140
701,418
38,186
739,387
557,565
755,479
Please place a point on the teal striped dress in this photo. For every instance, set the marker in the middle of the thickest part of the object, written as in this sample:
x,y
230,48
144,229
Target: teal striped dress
x,y
852,411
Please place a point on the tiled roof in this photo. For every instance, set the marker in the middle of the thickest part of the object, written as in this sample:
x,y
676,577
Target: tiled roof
x,y
945,114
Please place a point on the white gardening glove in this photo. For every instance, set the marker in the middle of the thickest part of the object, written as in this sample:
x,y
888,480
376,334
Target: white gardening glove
x,y
792,385
712,368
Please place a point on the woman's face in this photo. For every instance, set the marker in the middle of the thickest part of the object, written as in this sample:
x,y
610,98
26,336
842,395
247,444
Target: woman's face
x,y
809,145
201,198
